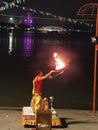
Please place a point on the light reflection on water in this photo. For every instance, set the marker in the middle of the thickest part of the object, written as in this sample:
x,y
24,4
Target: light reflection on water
x,y
21,54
27,44
26,47
10,43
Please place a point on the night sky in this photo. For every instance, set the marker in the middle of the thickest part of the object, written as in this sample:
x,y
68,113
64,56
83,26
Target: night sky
x,y
65,8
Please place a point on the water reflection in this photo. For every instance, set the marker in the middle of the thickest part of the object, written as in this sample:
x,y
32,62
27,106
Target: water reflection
x,y
11,43
27,44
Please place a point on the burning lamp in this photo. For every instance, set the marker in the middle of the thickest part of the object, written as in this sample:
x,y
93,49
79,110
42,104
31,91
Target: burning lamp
x,y
59,66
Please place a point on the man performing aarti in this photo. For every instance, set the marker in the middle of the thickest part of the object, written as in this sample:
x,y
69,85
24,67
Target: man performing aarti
x,y
36,102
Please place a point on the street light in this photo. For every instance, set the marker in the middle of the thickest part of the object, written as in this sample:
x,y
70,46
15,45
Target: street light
x,y
90,10
95,66
11,19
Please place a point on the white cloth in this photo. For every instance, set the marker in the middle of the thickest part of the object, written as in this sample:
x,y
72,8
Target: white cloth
x,y
27,110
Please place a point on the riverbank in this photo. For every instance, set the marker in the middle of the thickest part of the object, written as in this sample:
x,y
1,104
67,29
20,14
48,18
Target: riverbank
x,y
10,119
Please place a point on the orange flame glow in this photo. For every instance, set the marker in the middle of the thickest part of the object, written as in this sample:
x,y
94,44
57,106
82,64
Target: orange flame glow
x,y
59,63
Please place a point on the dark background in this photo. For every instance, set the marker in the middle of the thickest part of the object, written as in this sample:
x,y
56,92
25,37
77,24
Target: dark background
x,y
72,89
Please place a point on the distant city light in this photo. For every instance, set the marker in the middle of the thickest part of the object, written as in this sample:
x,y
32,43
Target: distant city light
x,y
28,20
11,19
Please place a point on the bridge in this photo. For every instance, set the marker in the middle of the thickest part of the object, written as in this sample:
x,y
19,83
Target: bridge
x,y
40,19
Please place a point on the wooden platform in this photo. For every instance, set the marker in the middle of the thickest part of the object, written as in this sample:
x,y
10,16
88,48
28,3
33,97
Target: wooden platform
x,y
28,117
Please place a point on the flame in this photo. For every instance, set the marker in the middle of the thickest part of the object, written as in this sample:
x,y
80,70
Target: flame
x,y
59,63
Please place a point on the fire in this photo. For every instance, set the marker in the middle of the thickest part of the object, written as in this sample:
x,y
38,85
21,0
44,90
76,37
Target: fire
x,y
59,63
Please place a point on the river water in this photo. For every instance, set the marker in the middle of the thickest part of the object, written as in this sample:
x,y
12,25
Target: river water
x,y
23,53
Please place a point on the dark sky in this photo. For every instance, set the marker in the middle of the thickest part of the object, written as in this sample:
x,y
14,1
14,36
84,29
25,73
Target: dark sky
x,y
64,8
